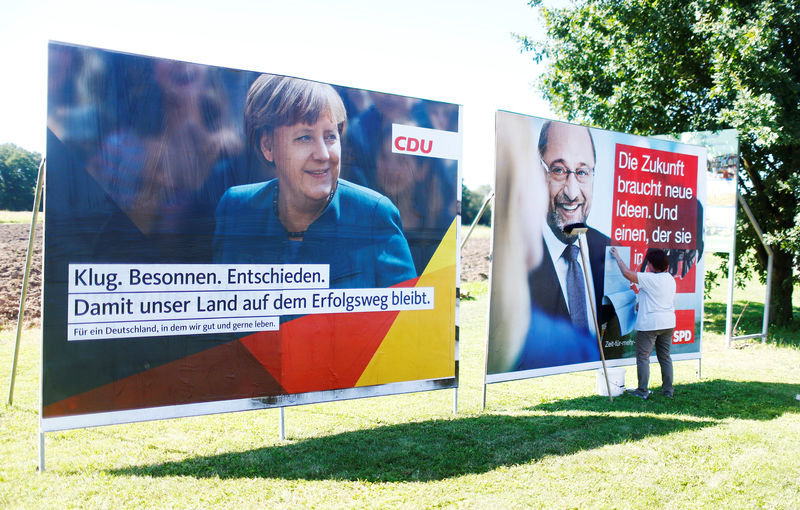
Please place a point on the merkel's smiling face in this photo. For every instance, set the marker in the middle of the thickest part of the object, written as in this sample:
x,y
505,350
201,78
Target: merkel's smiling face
x,y
306,158
568,146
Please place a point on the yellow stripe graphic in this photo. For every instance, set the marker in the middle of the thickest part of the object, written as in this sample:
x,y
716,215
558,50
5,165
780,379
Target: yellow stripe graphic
x,y
421,343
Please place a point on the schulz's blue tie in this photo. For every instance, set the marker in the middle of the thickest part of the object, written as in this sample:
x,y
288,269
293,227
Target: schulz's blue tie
x,y
576,288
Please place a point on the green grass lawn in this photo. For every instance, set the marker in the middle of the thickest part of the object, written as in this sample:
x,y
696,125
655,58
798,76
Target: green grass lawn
x,y
479,232
728,440
748,311
19,217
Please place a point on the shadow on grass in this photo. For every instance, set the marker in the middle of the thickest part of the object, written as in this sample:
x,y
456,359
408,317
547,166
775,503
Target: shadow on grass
x,y
713,399
429,450
747,317
750,317
440,449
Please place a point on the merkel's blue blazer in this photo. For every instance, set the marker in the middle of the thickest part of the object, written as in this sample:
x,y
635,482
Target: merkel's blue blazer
x,y
359,234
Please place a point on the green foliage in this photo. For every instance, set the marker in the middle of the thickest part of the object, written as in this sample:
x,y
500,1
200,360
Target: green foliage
x,y
668,66
18,170
471,202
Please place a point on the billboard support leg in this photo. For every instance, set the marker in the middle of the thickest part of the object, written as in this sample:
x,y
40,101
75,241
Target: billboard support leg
x,y
36,201
455,400
483,399
729,308
41,452
588,278
765,323
699,366
768,249
281,426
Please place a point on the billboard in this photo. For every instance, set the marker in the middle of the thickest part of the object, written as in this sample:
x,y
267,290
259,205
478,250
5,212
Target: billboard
x,y
633,193
220,240
721,174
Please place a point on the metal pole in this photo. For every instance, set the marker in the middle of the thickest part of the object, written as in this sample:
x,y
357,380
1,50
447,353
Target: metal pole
x,y
746,337
767,248
41,452
587,277
36,200
765,325
455,400
281,427
731,276
477,218
729,309
699,366
483,400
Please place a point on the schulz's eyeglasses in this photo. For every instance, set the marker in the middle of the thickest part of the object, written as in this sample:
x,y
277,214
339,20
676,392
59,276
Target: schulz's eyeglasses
x,y
560,173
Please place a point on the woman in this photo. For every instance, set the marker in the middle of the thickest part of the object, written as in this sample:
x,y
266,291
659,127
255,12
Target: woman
x,y
307,214
655,321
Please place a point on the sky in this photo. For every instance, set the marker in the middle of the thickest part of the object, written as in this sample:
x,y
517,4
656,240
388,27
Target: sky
x,y
446,50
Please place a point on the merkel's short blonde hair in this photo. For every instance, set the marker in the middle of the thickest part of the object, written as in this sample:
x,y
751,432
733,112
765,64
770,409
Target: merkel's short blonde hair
x,y
275,101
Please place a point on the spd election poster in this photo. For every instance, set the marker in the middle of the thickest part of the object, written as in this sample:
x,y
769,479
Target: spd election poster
x,y
220,240
633,193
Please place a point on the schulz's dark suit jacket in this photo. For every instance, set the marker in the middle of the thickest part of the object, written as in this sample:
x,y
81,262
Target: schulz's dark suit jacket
x,y
551,318
546,290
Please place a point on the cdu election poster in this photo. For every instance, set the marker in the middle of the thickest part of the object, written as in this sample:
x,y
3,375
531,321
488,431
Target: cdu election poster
x,y
220,240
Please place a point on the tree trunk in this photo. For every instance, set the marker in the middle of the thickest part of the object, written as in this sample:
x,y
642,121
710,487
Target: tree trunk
x,y
782,287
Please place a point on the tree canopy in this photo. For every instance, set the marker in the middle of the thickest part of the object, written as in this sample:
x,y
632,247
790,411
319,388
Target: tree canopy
x,y
471,202
668,66
18,170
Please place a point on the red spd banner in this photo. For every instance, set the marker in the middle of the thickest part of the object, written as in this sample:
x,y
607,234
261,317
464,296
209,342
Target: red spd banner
x,y
684,327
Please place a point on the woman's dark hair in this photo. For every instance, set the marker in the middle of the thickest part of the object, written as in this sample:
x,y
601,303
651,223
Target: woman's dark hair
x,y
657,259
